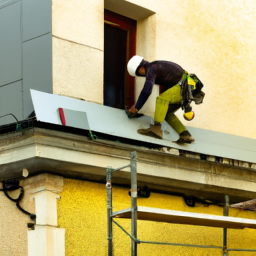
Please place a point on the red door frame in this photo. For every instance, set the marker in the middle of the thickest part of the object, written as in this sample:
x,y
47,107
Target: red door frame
x,y
129,25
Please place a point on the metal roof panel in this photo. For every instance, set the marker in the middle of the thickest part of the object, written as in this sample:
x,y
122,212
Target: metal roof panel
x,y
114,121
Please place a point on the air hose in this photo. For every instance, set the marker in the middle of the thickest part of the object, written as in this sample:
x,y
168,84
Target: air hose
x,y
11,185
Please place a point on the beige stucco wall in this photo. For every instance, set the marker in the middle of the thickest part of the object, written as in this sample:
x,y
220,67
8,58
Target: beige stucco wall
x,y
13,224
13,229
14,240
77,70
214,39
77,29
146,47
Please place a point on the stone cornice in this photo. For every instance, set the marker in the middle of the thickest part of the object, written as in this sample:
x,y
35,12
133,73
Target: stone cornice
x,y
69,155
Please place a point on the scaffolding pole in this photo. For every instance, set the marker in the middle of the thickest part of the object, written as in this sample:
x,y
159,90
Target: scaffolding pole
x,y
134,190
109,210
225,230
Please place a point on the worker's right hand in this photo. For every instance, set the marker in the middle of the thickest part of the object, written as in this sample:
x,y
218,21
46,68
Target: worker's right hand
x,y
133,109
132,112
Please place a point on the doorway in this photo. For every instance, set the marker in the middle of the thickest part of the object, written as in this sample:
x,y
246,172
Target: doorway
x,y
119,47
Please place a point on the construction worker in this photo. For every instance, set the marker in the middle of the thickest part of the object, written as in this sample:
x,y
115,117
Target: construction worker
x,y
179,90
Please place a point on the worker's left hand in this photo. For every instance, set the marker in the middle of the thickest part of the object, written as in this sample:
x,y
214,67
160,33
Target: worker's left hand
x,y
199,97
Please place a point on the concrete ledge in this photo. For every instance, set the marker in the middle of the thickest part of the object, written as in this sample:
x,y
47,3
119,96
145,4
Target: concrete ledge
x,y
40,150
128,9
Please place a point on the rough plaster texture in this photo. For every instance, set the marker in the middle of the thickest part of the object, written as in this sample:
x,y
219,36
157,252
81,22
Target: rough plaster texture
x,y
146,47
82,212
79,21
218,44
77,71
13,225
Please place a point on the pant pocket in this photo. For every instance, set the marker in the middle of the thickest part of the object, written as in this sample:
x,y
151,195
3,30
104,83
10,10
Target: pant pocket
x,y
175,95
161,109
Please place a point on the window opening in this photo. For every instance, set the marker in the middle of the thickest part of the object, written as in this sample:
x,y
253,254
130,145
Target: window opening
x,y
119,47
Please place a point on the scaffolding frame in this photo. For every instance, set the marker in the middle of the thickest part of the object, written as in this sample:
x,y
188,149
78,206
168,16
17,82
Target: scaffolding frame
x,y
134,215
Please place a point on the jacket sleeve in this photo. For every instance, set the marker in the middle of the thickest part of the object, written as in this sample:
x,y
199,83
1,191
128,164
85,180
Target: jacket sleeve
x,y
147,89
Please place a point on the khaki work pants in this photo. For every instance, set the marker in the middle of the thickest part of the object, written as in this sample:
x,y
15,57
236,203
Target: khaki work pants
x,y
167,103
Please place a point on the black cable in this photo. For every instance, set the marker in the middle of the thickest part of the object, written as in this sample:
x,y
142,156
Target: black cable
x,y
14,185
10,115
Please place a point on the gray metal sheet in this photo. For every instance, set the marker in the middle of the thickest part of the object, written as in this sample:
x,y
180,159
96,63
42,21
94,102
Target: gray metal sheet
x,y
36,18
187,218
77,119
37,68
11,102
115,122
10,44
4,3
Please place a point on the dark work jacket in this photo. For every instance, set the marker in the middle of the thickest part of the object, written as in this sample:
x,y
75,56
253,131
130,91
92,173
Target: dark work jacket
x,y
164,73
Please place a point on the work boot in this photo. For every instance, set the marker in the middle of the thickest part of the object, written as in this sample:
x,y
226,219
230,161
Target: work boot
x,y
154,131
185,137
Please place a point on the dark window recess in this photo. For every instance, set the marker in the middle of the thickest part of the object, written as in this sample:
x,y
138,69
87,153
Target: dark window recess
x,y
119,47
114,66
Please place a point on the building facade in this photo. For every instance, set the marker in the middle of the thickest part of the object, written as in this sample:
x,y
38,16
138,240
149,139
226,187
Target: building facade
x,y
79,49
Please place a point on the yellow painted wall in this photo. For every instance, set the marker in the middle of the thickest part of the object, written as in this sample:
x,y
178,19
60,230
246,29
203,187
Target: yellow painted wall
x,y
82,212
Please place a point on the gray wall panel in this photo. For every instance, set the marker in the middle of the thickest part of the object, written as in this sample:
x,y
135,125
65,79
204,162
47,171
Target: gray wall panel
x,y
11,102
37,68
36,18
10,43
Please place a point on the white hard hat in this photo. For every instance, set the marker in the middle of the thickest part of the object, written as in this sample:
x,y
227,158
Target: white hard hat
x,y
133,64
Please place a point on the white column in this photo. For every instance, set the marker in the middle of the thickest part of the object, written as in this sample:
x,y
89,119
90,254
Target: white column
x,y
47,239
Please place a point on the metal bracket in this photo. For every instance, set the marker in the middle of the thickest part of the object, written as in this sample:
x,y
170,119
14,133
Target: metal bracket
x,y
18,127
31,226
92,136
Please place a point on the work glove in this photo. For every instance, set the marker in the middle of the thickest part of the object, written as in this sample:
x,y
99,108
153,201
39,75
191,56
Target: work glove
x,y
132,115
